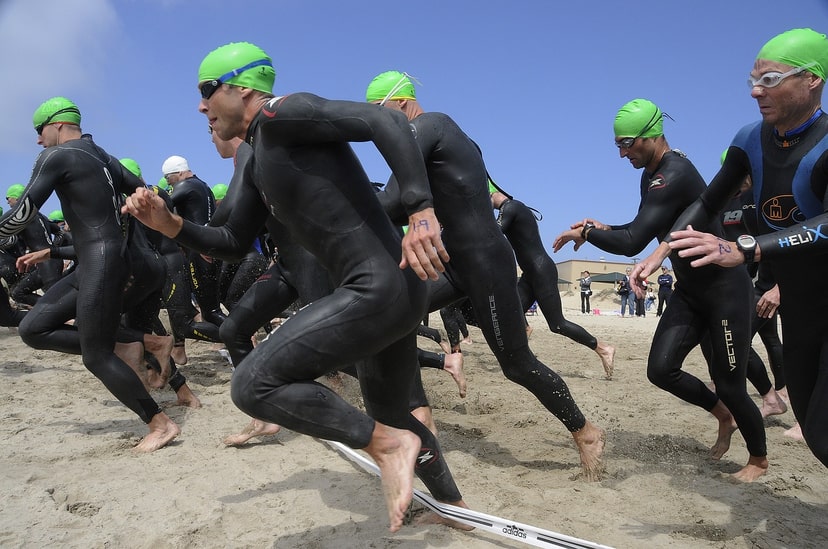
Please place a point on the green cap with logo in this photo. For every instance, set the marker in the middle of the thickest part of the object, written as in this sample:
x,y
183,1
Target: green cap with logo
x,y
639,118
15,191
798,48
163,183
240,64
56,109
56,215
390,86
132,166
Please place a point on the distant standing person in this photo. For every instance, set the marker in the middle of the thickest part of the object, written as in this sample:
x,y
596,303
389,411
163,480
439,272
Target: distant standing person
x,y
626,294
586,291
665,289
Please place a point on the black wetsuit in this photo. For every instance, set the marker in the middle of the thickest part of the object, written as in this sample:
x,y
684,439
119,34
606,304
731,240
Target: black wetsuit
x,y
708,301
90,185
738,218
194,201
305,174
177,293
539,280
38,235
790,189
482,264
454,323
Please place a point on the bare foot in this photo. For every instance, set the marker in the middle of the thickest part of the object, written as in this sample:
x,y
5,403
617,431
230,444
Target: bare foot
x,y
529,331
607,354
256,428
161,348
453,364
772,404
433,518
467,340
444,345
795,432
395,451
179,353
590,442
783,394
133,355
727,426
755,468
186,397
162,431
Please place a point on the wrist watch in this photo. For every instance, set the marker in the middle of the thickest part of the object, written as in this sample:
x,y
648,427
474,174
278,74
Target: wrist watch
x,y
588,227
747,245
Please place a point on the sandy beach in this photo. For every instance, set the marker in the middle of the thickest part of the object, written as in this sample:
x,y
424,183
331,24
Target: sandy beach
x,y
70,479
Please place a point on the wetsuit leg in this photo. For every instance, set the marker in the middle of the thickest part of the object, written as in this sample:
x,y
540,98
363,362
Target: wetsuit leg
x,y
806,373
24,291
250,268
431,333
177,299
268,296
8,316
451,325
546,293
493,296
681,328
204,276
678,332
427,359
45,325
92,296
275,382
767,328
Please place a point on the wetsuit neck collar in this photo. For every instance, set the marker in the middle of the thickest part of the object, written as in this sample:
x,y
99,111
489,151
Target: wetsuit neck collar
x,y
792,137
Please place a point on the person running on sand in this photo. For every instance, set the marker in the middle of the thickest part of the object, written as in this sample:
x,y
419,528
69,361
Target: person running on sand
x,y
328,202
90,184
709,306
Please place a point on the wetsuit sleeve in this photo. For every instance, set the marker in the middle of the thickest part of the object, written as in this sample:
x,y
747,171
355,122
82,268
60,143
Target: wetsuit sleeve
x,y
389,197
45,174
63,252
232,240
506,217
657,207
725,186
304,118
808,237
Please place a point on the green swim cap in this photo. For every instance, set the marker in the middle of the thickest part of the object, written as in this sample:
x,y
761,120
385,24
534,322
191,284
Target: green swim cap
x,y
390,85
132,166
240,64
15,191
219,191
798,48
163,183
56,109
639,118
56,215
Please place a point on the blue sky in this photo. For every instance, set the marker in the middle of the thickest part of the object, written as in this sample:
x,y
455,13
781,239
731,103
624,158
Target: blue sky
x,y
536,84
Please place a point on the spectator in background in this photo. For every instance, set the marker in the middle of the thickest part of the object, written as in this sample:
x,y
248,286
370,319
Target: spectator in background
x,y
627,296
665,289
586,291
